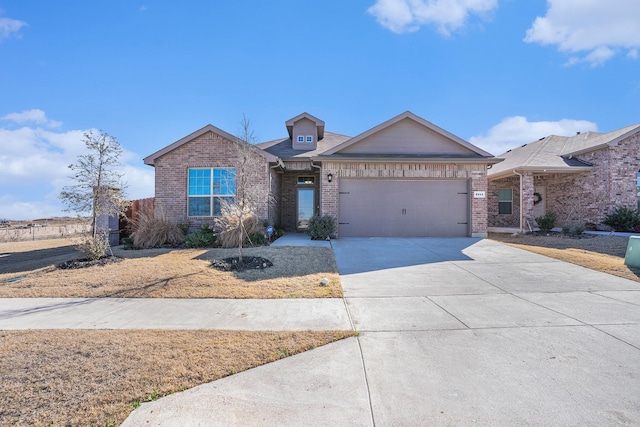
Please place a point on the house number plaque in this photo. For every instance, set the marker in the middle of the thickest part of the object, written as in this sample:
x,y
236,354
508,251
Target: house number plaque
x,y
479,195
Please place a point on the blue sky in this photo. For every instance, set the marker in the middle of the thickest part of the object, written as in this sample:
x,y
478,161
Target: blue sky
x,y
498,73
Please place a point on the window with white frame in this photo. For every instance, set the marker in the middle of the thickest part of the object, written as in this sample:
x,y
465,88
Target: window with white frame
x,y
301,138
309,138
505,201
208,187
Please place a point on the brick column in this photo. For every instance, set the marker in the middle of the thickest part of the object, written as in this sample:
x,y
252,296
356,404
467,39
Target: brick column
x,y
527,200
479,207
329,194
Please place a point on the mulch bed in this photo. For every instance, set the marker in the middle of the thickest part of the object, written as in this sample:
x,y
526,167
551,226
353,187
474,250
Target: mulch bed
x,y
234,264
84,262
561,235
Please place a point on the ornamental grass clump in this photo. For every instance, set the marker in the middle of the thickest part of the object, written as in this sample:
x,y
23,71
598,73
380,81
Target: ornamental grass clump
x,y
154,229
237,225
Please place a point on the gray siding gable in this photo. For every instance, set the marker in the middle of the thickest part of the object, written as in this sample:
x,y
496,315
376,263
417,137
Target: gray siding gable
x,y
407,138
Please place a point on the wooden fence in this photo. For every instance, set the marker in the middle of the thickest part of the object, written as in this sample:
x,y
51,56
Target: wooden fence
x,y
131,215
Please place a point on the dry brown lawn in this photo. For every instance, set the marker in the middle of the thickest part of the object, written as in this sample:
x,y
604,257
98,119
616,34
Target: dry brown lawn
x,y
168,273
83,378
89,377
598,252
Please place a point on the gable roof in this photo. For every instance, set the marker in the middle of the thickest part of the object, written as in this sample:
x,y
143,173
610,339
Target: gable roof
x,y
150,160
476,151
557,153
319,124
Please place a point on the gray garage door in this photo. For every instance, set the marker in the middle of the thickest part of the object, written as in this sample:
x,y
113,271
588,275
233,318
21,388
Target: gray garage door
x,y
400,208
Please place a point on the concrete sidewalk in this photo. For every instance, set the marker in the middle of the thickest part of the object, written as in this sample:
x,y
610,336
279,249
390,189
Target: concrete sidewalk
x,y
453,332
165,313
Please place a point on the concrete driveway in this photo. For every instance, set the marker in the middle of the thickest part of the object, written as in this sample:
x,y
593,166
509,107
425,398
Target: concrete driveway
x,y
452,332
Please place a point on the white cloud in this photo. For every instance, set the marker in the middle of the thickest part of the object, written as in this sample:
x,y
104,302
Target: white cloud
x,y
35,168
10,208
447,16
512,132
34,116
597,29
9,27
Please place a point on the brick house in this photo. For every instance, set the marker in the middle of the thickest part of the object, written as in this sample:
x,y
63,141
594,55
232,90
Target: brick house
x,y
404,177
580,178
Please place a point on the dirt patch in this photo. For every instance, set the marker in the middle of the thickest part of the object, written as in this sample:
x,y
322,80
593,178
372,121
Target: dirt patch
x,y
173,273
82,378
603,253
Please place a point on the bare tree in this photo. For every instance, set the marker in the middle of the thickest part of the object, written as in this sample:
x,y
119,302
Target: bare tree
x,y
240,218
97,190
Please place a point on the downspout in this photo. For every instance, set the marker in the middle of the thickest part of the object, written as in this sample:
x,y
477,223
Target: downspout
x,y
320,189
521,200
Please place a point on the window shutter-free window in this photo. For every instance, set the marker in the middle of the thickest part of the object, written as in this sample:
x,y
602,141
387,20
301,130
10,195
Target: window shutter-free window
x,y
505,201
208,188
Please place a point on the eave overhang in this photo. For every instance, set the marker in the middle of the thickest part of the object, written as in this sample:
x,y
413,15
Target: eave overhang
x,y
539,171
404,159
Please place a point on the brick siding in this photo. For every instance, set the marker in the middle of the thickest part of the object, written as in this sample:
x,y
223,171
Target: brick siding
x,y
475,173
578,198
207,150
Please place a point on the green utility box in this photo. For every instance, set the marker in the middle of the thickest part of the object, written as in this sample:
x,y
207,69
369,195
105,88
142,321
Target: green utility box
x,y
632,258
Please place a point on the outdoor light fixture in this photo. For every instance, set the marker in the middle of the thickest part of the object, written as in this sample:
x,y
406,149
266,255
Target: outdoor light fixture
x,y
330,177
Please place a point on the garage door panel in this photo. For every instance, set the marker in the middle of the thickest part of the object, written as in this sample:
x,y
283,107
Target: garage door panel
x,y
401,208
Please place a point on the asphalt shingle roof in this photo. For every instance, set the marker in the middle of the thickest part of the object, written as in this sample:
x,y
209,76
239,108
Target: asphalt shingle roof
x,y
283,148
556,152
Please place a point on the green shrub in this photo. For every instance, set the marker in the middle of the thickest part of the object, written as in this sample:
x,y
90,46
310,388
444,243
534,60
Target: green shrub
x,y
547,221
127,242
202,238
257,239
321,227
184,227
622,219
573,229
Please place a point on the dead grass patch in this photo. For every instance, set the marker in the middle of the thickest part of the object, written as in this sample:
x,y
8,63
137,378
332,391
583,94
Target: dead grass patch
x,y
82,378
597,252
184,273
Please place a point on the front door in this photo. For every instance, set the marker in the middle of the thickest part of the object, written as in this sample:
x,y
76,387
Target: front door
x,y
306,203
539,200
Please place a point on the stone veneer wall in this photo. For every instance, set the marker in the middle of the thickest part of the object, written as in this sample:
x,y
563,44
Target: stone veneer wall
x,y
207,150
476,173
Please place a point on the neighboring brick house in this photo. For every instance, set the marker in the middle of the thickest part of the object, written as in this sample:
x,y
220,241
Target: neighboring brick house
x,y
580,178
404,177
